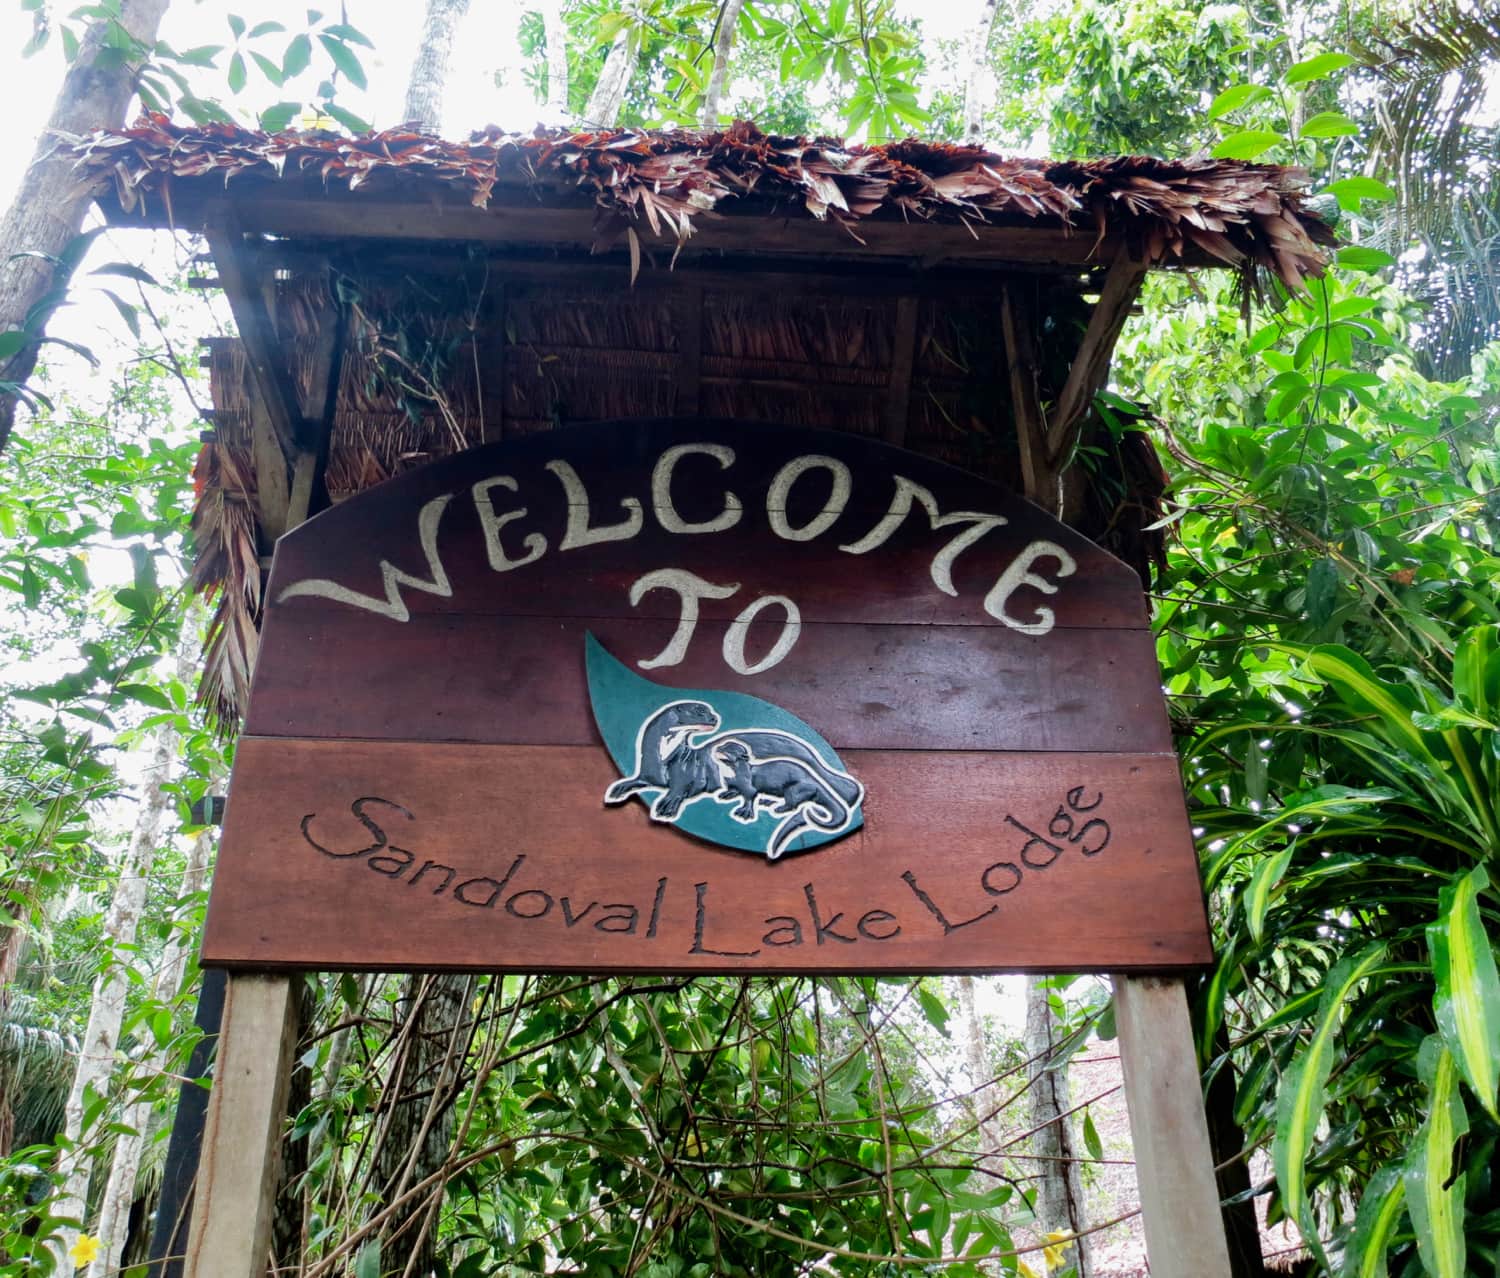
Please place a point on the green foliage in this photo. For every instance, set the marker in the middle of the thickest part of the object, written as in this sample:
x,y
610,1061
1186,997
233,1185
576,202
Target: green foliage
x,y
710,1126
859,55
1103,78
93,519
1329,636
166,78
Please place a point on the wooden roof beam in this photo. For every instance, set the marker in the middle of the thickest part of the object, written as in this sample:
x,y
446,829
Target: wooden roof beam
x,y
929,245
257,330
1090,366
309,491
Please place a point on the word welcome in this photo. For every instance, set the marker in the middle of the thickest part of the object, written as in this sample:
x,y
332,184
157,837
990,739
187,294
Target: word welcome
x,y
502,512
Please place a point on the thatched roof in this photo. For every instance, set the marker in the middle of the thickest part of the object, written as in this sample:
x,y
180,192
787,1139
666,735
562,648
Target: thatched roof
x,y
400,298
670,182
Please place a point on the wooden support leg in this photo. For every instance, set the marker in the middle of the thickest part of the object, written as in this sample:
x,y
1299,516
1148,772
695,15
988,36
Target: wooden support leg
x,y
241,1158
1179,1195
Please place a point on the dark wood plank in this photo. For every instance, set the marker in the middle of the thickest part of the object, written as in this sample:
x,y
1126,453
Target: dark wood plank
x,y
943,875
614,462
521,680
339,216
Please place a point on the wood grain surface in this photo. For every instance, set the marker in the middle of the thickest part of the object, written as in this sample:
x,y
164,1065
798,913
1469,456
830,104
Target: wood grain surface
x,y
420,699
503,858
519,680
615,461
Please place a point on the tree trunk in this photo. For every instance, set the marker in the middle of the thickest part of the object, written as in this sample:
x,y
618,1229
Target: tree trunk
x,y
729,19
119,1192
96,1057
49,207
429,73
979,65
976,1063
1059,1198
557,62
609,92
419,1097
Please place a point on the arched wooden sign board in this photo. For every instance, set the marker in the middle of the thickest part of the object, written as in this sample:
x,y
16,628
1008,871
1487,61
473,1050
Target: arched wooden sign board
x,y
679,696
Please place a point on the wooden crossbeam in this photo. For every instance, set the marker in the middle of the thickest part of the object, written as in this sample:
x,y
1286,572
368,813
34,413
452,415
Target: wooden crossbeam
x,y
344,218
309,492
257,331
1090,367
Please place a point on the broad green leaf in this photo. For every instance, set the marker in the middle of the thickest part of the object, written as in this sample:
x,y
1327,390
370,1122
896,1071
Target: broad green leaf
x,y
11,341
1318,68
1379,1210
270,70
1350,191
1255,770
1247,144
298,54
1329,124
276,118
1237,97
1322,590
1467,999
1359,258
1258,895
344,59
348,34
1476,670
367,1262
933,1008
348,119
1434,1193
1357,684
127,270
1091,1141
1302,1094
126,310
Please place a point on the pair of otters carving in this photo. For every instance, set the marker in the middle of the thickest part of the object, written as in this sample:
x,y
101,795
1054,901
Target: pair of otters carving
x,y
751,769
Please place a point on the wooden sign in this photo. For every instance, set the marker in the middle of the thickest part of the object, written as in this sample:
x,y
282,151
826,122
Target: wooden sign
x,y
679,696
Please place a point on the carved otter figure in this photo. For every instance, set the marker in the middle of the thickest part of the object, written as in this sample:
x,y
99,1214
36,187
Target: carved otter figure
x,y
667,760
677,757
804,797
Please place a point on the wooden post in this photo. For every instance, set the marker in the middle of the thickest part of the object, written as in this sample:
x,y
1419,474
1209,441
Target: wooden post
x,y
239,1159
238,1167
1173,1164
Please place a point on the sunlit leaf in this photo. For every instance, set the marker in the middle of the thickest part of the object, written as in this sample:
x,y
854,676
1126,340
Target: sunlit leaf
x,y
1236,98
1434,1187
344,59
1317,68
1247,144
1467,1000
1301,1097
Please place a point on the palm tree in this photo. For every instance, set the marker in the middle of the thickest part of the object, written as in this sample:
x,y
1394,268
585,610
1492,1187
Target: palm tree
x,y
1438,141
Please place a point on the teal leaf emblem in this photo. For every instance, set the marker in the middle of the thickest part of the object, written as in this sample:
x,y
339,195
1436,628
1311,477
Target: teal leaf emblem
x,y
722,766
